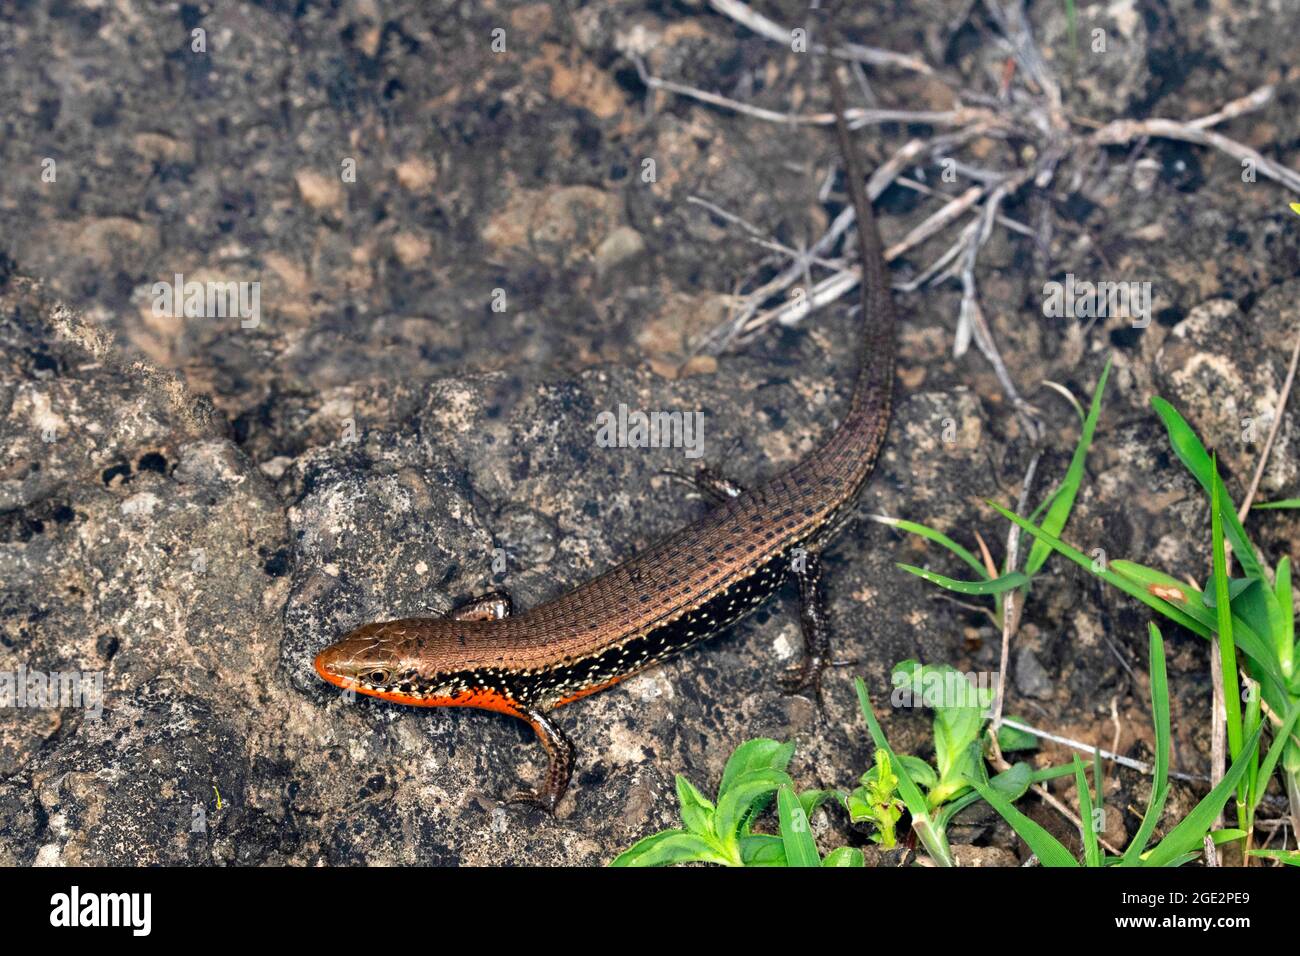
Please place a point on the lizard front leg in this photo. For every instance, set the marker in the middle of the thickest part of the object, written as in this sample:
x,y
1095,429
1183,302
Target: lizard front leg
x,y
492,606
813,620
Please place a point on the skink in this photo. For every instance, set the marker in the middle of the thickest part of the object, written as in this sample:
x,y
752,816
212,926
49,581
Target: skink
x,y
680,591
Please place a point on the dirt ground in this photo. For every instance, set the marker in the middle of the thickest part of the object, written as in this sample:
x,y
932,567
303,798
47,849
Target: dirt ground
x,y
473,227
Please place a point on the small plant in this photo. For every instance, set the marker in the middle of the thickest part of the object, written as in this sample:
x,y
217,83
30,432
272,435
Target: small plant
x,y
1253,614
1182,843
960,733
876,801
721,832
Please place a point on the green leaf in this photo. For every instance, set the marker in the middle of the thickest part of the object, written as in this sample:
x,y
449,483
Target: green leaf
x,y
1289,857
938,537
810,800
959,709
922,773
1190,831
1008,582
845,856
1284,632
859,805
1013,738
1059,513
1047,848
742,795
1091,847
762,849
668,847
800,847
1187,446
1160,718
1273,505
1013,783
1236,587
697,811
1223,611
761,753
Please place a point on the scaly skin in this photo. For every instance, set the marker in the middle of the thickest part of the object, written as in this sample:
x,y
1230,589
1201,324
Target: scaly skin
x,y
682,590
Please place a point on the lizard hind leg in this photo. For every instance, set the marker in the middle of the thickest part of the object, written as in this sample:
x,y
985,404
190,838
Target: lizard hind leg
x,y
806,676
559,751
713,485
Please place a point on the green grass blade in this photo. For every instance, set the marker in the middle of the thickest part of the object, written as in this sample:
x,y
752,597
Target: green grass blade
x,y
1183,614
1098,791
1171,611
1199,606
1007,582
1049,850
938,537
1160,718
1284,635
1273,505
1063,502
1223,611
1091,848
1280,737
1289,857
1190,831
1187,446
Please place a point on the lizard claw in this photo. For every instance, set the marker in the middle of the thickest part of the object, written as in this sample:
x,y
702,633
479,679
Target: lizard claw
x,y
804,678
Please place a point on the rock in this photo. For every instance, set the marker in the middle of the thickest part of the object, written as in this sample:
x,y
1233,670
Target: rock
x,y
1032,679
983,856
1225,377
323,193
621,245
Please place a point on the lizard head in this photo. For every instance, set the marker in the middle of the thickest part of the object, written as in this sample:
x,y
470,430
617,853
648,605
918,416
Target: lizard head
x,y
370,660
425,662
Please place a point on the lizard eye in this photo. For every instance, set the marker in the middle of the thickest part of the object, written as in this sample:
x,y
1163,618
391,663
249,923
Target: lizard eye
x,y
379,676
